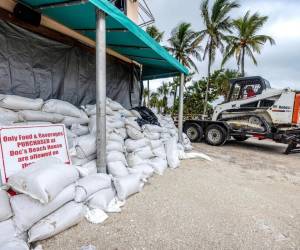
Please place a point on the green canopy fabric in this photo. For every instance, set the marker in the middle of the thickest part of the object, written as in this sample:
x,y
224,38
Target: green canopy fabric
x,y
122,34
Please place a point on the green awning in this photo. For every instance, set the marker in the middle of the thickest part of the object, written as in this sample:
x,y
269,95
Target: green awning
x,y
123,36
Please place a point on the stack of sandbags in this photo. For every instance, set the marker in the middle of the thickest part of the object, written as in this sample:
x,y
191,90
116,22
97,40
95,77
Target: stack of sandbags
x,y
44,204
17,109
96,191
139,153
170,129
14,109
71,114
10,238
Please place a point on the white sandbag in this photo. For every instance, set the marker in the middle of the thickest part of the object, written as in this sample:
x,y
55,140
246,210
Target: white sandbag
x,y
91,184
155,143
194,155
7,115
136,114
79,130
134,133
115,106
14,244
186,140
91,110
122,132
70,120
160,152
165,136
85,146
117,169
95,216
43,180
71,138
172,153
159,165
132,122
115,137
35,115
125,113
144,153
128,185
5,209
7,231
116,156
114,123
152,135
133,160
61,107
5,123
15,102
31,123
87,169
114,146
152,128
188,147
102,198
133,145
28,211
65,217
80,162
145,169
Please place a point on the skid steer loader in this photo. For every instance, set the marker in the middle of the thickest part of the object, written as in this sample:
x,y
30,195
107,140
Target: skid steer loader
x,y
252,109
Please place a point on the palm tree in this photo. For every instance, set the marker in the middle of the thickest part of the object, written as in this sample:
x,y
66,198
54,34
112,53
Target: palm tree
x,y
217,23
154,100
247,41
164,91
146,93
157,35
185,45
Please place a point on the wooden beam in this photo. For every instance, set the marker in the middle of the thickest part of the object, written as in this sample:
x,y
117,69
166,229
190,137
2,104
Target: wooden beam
x,y
60,32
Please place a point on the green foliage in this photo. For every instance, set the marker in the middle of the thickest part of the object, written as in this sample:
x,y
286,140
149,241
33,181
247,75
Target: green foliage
x,y
246,41
220,80
184,45
155,33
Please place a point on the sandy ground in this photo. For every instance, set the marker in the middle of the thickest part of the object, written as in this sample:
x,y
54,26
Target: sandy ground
x,y
248,197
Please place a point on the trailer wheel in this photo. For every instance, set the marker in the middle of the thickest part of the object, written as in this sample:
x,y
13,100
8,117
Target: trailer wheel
x,y
194,132
215,135
240,137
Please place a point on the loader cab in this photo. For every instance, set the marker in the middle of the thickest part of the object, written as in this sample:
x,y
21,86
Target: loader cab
x,y
246,87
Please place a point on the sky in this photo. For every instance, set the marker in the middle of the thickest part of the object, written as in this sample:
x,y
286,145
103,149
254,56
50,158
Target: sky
x,y
280,64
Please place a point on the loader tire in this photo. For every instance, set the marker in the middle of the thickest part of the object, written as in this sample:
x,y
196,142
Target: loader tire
x,y
193,131
215,135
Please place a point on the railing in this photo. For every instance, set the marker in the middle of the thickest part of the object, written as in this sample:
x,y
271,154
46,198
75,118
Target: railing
x,y
187,117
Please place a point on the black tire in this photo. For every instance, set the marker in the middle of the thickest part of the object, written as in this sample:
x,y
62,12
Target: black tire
x,y
193,131
215,135
240,137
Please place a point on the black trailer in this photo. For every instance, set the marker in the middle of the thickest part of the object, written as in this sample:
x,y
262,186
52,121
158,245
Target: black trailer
x,y
216,133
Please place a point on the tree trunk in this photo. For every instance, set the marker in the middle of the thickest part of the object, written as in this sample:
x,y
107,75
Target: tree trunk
x,y
148,86
174,99
243,62
208,79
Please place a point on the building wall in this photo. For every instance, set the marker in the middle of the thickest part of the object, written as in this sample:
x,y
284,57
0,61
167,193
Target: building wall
x,y
132,10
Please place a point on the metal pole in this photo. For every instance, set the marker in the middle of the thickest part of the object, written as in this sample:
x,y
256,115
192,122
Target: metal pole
x,y
101,90
180,114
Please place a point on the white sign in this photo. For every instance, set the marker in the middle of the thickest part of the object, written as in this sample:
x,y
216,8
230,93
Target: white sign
x,y
21,146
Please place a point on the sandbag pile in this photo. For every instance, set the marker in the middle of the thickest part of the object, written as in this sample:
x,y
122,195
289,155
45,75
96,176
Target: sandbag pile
x,y
52,196
44,205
